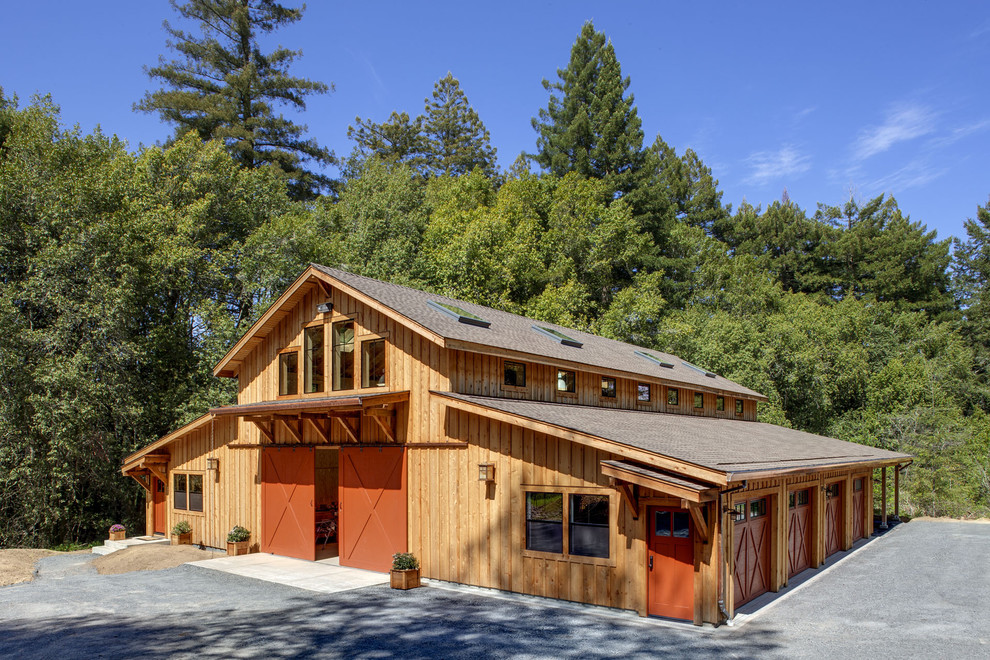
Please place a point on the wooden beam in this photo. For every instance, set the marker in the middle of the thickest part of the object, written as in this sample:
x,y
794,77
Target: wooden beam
x,y
138,479
154,470
324,287
385,427
155,458
668,488
379,412
630,496
897,493
883,497
293,425
351,433
266,430
699,522
321,426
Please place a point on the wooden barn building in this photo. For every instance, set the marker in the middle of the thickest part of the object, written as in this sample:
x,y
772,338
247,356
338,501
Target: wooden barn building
x,y
504,452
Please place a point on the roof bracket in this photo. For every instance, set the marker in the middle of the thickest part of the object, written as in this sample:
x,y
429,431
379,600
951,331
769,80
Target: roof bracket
x,y
630,495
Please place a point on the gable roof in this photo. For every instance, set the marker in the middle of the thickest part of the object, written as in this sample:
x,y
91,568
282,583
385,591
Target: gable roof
x,y
736,448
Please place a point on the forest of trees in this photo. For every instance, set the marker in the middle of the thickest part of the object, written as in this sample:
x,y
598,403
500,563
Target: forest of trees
x,y
126,274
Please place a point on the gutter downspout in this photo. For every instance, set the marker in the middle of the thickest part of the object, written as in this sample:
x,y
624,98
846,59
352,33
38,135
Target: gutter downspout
x,y
725,578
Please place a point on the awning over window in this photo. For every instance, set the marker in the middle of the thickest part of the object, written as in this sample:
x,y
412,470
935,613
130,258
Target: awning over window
x,y
675,486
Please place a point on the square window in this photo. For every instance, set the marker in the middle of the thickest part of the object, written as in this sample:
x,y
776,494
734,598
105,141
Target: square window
x,y
699,400
288,373
545,522
643,392
588,530
373,363
515,374
758,508
608,387
671,396
739,406
720,403
566,381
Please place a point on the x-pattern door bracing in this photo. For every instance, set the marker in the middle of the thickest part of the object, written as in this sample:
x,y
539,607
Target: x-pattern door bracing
x,y
798,532
288,514
373,506
833,519
752,550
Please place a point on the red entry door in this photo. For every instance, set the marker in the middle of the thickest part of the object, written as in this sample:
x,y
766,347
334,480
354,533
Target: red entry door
x,y
671,564
372,506
799,532
288,513
752,550
158,506
833,519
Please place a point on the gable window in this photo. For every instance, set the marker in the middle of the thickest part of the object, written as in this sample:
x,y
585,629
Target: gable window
x,y
720,403
643,392
343,355
187,492
566,382
545,522
313,359
699,400
373,363
288,373
588,533
739,406
515,374
608,387
671,396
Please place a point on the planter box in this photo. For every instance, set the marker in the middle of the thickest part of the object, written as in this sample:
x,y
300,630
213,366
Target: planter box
x,y
118,536
238,548
182,539
407,579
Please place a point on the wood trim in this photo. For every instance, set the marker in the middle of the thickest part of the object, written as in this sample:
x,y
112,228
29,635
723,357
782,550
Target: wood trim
x,y
153,470
293,425
815,469
318,425
161,442
658,484
266,429
630,496
136,478
351,433
386,428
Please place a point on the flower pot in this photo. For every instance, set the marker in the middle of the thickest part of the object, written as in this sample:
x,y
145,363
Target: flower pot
x,y
406,579
235,548
182,539
118,536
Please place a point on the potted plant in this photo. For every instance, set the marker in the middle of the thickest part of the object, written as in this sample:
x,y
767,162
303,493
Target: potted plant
x,y
237,541
405,571
118,533
182,533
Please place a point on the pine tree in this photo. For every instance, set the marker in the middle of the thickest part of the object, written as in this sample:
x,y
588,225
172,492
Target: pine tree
x,y
224,87
590,125
457,140
972,280
398,140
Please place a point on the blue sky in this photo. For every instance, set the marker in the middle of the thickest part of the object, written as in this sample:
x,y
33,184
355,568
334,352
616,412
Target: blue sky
x,y
827,101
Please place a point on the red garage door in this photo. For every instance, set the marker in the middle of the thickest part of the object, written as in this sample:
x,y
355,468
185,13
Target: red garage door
x,y
288,515
833,519
671,564
859,526
798,531
752,550
372,506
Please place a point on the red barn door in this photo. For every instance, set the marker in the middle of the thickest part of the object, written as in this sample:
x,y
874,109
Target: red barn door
x,y
288,513
798,532
372,506
752,550
859,526
833,519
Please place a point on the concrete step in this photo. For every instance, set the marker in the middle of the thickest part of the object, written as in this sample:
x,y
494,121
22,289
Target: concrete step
x,y
113,546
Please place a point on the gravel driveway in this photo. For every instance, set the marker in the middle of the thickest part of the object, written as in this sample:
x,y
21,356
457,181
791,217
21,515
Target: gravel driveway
x,y
923,590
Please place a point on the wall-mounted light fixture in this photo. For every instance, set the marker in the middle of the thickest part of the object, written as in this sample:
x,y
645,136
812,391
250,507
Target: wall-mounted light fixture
x,y
486,472
325,308
213,464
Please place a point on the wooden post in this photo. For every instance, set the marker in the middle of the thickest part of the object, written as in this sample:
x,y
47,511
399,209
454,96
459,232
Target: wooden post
x,y
883,497
897,493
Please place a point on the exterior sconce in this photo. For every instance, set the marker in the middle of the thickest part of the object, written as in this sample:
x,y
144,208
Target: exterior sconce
x,y
213,464
325,308
486,472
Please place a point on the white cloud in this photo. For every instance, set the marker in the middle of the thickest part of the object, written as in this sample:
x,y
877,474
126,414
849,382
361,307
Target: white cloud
x,y
770,165
913,175
962,132
903,123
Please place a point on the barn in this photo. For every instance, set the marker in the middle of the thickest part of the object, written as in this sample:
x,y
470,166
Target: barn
x,y
507,453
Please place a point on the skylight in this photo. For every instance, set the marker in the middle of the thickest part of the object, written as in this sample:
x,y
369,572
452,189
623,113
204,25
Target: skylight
x,y
461,315
654,359
557,336
698,369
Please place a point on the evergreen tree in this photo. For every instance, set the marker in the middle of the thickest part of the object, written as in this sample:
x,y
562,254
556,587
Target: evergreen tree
x,y
590,125
224,87
972,281
398,140
457,140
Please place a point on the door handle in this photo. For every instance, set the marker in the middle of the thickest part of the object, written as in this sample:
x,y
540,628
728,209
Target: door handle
x,y
651,562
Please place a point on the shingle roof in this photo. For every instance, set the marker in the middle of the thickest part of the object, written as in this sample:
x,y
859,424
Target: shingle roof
x,y
725,445
513,332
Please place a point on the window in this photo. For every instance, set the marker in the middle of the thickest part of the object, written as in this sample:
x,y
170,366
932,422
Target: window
x,y
832,490
790,501
739,406
643,392
699,400
545,522
588,532
671,523
459,313
858,484
187,492
343,355
758,508
671,396
698,369
566,381
288,373
720,403
313,359
803,497
515,374
739,512
654,359
557,336
608,387
373,363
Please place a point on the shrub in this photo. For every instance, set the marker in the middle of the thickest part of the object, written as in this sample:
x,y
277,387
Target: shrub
x,y
181,527
238,534
403,561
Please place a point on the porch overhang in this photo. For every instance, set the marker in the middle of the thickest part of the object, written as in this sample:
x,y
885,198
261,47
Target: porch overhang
x,y
329,405
689,490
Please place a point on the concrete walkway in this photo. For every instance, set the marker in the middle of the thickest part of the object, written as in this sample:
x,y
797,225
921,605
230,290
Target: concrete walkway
x,y
326,576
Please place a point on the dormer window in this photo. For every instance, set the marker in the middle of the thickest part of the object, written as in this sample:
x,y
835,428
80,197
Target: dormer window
x,y
288,372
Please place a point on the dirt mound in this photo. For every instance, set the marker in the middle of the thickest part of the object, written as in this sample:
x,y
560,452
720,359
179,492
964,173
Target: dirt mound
x,y
17,565
153,557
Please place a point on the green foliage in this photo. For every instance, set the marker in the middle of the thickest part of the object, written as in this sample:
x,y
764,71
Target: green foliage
x,y
224,87
238,534
181,527
404,561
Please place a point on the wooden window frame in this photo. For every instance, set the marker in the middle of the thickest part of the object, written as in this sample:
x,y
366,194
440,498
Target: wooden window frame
x,y
566,492
720,403
361,340
615,388
170,494
676,403
740,407
356,354
568,394
649,394
699,396
515,388
278,372
326,360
